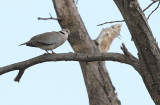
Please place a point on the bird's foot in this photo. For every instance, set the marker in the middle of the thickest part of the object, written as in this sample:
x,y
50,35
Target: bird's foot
x,y
46,53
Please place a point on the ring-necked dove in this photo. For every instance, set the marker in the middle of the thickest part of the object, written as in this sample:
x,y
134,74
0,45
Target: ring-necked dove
x,y
49,40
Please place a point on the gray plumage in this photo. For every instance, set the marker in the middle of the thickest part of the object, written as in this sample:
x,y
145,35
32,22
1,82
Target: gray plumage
x,y
48,40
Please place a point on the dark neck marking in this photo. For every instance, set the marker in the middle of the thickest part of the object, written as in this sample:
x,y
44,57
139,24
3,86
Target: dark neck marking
x,y
62,32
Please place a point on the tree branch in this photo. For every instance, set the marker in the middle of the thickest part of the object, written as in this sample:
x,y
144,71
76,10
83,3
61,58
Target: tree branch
x,y
90,57
95,74
125,51
154,10
106,37
19,75
110,22
128,55
148,50
50,18
143,11
149,6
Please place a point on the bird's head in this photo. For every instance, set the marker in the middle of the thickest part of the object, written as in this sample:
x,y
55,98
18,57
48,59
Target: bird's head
x,y
65,31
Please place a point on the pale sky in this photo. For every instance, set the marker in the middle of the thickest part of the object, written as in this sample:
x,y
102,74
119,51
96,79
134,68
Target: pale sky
x,y
61,83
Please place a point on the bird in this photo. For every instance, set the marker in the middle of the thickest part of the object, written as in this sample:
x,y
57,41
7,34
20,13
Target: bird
x,y
49,40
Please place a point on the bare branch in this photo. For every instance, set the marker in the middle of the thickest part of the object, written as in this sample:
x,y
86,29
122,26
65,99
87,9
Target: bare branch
x,y
143,11
50,18
83,57
125,51
19,75
110,22
155,0
154,10
129,56
149,6
106,37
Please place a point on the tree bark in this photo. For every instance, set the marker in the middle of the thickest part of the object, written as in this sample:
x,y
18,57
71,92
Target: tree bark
x,y
83,57
148,50
99,87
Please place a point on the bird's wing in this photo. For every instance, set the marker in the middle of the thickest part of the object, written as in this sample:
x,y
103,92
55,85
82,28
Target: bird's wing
x,y
48,38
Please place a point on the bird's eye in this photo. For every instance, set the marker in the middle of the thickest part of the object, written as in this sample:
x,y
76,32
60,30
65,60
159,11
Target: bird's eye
x,y
67,31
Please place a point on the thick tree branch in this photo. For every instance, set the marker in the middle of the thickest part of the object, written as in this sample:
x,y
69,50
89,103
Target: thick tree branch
x,y
99,86
90,57
106,37
148,50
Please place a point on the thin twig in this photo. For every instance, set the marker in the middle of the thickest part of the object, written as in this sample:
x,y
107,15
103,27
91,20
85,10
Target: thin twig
x,y
50,18
153,10
119,36
129,55
124,21
155,0
110,22
19,75
76,2
149,6
125,50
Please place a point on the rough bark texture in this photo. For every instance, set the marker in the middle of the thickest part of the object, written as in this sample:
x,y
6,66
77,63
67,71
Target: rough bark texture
x,y
148,51
83,57
99,87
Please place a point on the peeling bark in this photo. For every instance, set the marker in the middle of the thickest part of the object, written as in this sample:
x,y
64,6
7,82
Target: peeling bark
x,y
106,37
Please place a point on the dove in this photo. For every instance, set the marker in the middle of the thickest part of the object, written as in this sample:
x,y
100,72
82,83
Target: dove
x,y
49,40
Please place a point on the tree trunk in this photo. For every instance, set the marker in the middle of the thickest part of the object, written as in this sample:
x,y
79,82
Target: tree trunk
x,y
99,87
148,51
